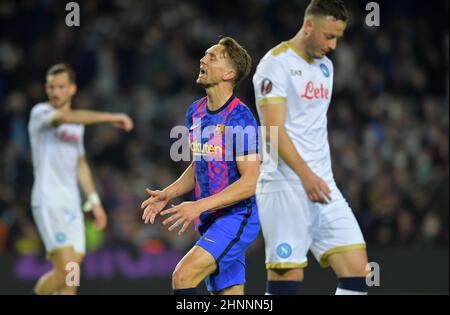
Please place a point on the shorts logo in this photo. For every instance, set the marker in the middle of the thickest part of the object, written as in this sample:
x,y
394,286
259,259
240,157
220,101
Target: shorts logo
x,y
266,87
209,240
325,70
60,237
284,250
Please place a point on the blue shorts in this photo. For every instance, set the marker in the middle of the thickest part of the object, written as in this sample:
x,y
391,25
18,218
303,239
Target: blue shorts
x,y
226,240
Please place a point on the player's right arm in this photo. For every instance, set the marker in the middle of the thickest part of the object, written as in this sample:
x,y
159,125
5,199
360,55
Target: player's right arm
x,y
158,199
87,117
273,114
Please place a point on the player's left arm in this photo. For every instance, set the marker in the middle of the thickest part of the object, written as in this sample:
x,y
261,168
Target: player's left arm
x,y
243,188
93,202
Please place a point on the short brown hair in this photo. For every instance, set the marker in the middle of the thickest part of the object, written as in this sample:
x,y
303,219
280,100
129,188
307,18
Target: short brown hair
x,y
62,68
334,8
239,58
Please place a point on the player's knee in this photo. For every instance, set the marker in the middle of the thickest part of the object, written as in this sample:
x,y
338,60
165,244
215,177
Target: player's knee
x,y
181,276
360,267
286,274
59,274
355,269
359,270
65,269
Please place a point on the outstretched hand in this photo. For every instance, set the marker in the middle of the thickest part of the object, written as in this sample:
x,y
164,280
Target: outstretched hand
x,y
184,214
122,121
153,205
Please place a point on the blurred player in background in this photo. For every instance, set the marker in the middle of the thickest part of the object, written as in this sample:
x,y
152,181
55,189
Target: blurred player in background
x,y
223,175
300,206
56,134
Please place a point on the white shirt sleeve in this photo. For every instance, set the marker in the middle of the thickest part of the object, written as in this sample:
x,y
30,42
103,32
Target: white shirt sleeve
x,y
270,81
41,116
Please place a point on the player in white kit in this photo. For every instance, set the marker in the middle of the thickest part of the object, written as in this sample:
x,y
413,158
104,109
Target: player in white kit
x,y
56,135
299,204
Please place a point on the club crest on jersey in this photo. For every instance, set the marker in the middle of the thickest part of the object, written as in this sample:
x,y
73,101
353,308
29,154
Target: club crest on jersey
x,y
266,87
325,70
220,129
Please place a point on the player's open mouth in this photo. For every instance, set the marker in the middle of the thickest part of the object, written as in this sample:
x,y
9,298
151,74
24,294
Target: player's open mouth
x,y
202,72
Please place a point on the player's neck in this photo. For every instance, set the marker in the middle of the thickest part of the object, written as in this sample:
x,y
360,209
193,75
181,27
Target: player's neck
x,y
217,97
65,106
299,46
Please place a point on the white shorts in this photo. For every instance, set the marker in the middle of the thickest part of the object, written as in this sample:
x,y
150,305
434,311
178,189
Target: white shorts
x,y
292,225
60,228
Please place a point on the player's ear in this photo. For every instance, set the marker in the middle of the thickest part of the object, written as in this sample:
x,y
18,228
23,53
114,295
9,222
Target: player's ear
x,y
308,26
229,75
73,89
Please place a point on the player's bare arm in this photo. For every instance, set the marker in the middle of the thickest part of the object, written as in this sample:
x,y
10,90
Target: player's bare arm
x,y
87,117
158,199
93,201
273,114
243,188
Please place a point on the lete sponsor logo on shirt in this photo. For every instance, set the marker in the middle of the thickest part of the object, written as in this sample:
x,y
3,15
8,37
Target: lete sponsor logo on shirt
x,y
312,92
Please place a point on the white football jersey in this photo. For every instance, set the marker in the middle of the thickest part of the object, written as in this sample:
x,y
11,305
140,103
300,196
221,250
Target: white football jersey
x,y
55,152
306,89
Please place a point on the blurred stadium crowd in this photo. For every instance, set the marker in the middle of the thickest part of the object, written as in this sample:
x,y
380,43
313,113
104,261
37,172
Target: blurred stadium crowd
x,y
388,117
